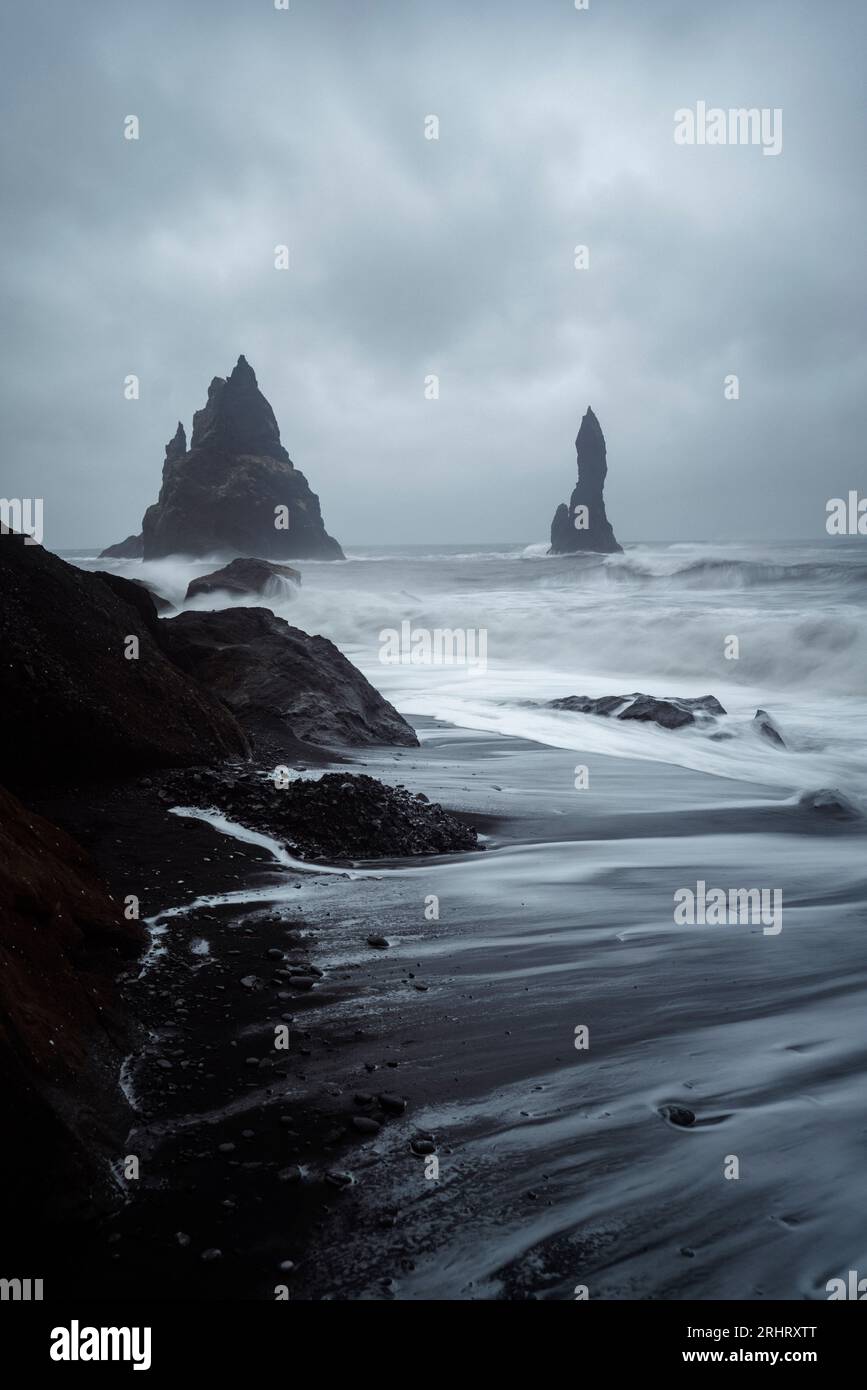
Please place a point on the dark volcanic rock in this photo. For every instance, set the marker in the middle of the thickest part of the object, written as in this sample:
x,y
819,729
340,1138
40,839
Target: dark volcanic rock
x,y
335,816
831,803
670,712
134,592
73,703
62,941
571,530
246,577
764,725
130,549
275,678
223,494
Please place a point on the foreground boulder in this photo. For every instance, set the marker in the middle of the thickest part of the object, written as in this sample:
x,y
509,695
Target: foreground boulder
x,y
62,941
277,680
584,525
235,490
73,703
671,712
245,576
336,816
147,604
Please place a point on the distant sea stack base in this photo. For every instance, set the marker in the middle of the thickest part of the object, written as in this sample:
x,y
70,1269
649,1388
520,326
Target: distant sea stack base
x,y
583,525
235,491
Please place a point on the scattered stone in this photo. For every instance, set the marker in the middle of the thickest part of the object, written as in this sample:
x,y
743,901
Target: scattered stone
x,y
339,1179
423,1144
379,943
395,1105
679,1115
364,1125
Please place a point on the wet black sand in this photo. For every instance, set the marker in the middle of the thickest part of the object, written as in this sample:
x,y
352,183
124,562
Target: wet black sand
x,y
555,1167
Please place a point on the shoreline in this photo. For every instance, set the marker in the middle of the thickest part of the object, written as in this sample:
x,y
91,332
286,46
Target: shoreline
x,y
468,1018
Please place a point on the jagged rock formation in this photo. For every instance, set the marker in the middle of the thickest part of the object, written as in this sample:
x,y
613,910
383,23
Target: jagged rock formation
x,y
74,703
573,529
222,495
278,681
246,577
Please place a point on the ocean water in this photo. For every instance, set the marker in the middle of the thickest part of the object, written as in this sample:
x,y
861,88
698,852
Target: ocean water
x,y
657,618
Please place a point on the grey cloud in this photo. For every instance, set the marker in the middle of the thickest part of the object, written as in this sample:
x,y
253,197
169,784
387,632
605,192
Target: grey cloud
x,y
453,257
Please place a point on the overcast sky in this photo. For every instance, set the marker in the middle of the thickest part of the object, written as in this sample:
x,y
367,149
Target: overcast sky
x,y
411,256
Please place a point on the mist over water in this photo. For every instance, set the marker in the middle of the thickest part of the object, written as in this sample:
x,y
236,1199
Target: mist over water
x,y
656,619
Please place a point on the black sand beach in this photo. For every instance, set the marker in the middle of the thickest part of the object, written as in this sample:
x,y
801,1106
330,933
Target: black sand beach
x,y
309,1170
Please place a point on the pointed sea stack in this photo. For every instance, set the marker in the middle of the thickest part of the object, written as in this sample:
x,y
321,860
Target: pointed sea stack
x,y
583,525
235,491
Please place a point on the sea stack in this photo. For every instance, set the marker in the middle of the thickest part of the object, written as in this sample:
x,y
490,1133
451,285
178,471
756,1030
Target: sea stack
x,y
583,525
235,491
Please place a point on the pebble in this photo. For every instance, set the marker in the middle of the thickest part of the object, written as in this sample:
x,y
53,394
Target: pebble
x,y
339,1179
395,1105
379,943
678,1115
364,1125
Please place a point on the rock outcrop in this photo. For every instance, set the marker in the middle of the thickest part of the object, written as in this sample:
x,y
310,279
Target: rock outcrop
x,y
247,577
764,725
74,703
62,941
583,525
235,490
130,549
278,681
338,815
670,711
